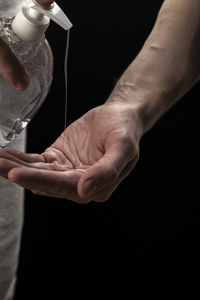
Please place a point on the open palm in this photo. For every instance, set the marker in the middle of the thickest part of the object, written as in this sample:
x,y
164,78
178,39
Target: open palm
x,y
87,162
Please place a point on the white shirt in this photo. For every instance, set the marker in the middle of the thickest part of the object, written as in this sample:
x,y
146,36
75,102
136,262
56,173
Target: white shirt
x,y
11,204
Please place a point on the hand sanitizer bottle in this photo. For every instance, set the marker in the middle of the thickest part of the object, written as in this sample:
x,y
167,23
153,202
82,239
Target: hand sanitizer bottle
x,y
25,35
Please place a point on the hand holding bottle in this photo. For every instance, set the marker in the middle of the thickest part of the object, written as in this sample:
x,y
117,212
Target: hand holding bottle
x,y
25,35
10,67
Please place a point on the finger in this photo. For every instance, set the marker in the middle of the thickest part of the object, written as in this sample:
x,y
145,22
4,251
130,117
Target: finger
x,y
12,158
12,69
20,156
22,159
54,155
44,2
33,160
6,166
50,183
107,170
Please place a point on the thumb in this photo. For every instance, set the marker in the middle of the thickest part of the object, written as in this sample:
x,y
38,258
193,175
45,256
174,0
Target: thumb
x,y
105,171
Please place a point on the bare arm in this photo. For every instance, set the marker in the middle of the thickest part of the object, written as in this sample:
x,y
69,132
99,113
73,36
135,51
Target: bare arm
x,y
167,66
99,150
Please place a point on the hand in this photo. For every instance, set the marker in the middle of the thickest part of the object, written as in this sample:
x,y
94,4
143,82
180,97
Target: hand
x,y
11,69
86,163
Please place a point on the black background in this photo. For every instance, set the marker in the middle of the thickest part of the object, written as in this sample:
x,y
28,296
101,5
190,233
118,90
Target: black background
x,y
152,217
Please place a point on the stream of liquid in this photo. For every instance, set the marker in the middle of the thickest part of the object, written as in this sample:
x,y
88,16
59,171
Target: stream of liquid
x,y
66,78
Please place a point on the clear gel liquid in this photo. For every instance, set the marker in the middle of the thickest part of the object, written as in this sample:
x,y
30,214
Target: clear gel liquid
x,y
66,78
17,108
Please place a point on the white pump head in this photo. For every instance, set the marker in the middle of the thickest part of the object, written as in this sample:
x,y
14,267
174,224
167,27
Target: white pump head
x,y
32,20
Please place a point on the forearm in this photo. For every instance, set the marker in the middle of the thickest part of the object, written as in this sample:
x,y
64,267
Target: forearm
x,y
167,66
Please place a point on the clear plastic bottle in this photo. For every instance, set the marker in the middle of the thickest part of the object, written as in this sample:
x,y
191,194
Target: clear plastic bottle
x,y
17,108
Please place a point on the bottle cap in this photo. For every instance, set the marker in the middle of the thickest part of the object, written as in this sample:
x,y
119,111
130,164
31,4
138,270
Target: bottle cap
x,y
32,21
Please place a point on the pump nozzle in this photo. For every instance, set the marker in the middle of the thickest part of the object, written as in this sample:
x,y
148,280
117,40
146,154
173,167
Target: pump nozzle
x,y
54,12
32,20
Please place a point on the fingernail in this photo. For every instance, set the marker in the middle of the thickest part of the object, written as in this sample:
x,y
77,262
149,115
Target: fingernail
x,y
90,188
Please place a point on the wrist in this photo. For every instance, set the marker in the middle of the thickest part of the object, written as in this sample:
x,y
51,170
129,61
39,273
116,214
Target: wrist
x,y
151,85
166,67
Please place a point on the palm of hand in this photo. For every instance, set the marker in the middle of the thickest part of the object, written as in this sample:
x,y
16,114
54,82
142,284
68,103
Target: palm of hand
x,y
90,155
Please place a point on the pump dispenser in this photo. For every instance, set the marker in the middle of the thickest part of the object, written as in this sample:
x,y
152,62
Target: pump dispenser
x,y
25,35
32,21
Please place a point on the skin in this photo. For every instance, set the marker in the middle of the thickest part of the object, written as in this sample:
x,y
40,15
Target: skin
x,y
11,68
96,152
